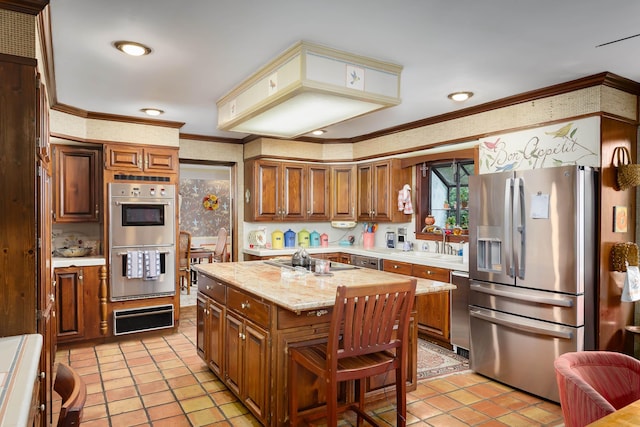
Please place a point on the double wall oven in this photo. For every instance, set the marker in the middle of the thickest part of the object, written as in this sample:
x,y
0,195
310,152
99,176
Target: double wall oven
x,y
142,238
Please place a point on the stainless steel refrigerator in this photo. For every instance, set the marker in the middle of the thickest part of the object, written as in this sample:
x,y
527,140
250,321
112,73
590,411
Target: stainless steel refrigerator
x,y
532,268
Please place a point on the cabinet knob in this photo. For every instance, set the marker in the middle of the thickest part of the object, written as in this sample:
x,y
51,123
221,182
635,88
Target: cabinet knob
x,y
241,336
429,272
245,305
208,287
395,266
42,407
43,375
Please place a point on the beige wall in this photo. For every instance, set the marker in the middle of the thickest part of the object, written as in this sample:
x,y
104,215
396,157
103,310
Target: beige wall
x,y
17,34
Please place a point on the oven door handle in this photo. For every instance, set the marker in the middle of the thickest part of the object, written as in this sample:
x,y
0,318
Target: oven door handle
x,y
148,202
565,302
527,328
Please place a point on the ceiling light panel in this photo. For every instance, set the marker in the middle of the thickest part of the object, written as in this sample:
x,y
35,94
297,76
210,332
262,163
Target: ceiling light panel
x,y
306,88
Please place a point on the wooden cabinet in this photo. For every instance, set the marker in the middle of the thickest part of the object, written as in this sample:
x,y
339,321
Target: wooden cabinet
x,y
287,191
77,176
27,302
141,158
378,186
434,317
210,336
344,192
80,303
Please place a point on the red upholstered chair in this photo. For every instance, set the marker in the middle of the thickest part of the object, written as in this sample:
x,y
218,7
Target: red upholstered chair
x,y
593,384
368,335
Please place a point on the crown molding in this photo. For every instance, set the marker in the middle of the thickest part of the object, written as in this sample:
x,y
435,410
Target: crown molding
x,y
31,7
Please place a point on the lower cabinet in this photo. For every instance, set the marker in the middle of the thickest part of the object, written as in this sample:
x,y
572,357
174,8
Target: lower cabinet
x,y
433,313
80,314
209,339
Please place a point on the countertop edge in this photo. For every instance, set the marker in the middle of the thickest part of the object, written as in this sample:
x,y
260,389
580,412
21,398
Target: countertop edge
x,y
88,261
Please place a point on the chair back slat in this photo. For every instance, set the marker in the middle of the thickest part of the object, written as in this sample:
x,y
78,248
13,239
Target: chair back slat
x,y
365,318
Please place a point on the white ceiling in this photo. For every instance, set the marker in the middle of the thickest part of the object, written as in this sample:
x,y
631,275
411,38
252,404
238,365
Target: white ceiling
x,y
203,48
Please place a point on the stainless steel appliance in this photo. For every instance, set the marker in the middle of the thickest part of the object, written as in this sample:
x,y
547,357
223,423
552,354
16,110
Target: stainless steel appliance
x,y
142,237
390,237
532,267
366,262
460,313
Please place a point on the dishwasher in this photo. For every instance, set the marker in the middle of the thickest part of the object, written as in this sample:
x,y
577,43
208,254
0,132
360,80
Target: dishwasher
x,y
366,262
460,313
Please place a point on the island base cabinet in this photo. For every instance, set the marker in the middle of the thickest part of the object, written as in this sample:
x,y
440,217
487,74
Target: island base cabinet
x,y
209,337
246,365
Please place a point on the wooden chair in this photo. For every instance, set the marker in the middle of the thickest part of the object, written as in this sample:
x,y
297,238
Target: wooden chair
x,y
184,260
73,391
368,335
220,251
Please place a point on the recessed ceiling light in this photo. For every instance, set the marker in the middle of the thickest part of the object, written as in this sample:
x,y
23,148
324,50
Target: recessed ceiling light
x,y
132,48
319,132
152,111
460,96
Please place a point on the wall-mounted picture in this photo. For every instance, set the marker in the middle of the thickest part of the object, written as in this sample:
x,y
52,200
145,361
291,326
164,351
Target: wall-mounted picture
x,y
620,219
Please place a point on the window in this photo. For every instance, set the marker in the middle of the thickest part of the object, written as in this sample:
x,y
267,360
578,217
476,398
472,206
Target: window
x,y
444,193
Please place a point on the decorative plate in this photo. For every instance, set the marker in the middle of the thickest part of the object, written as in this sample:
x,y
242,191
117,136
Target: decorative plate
x,y
211,202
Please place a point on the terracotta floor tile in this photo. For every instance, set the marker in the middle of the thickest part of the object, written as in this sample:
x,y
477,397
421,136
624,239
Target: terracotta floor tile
x,y
152,387
135,353
121,393
423,410
131,418
115,374
102,422
125,405
177,421
540,415
445,420
118,383
205,416
174,372
94,412
112,366
196,404
464,396
188,391
111,358
443,403
183,381
490,408
95,388
149,377
222,397
165,410
155,399
81,363
94,399
514,419
469,416
136,370
486,390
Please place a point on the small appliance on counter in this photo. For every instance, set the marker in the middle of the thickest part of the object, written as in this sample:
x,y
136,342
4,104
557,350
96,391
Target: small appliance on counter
x,y
277,239
324,240
303,238
314,239
289,238
391,239
402,236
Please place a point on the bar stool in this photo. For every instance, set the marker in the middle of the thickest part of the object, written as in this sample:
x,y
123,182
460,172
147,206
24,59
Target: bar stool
x,y
368,335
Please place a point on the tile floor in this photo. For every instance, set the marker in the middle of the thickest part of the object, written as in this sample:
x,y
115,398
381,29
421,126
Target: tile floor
x,y
161,381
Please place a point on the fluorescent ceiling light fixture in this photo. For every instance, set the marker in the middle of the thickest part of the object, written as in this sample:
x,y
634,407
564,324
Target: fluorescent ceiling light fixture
x,y
308,87
460,96
132,48
152,111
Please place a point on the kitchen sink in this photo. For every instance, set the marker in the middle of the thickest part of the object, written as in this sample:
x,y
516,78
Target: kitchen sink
x,y
431,255
333,266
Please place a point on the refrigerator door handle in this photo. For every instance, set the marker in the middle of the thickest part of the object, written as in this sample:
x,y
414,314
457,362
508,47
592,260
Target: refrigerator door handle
x,y
527,328
508,211
519,296
518,230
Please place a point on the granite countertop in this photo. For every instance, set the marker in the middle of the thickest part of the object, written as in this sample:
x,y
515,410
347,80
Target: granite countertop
x,y
19,359
451,262
309,292
84,261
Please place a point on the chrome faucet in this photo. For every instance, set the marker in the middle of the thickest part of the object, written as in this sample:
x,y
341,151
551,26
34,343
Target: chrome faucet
x,y
440,247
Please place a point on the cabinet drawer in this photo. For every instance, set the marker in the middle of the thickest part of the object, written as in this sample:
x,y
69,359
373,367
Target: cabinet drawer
x,y
432,273
248,306
289,319
397,267
212,288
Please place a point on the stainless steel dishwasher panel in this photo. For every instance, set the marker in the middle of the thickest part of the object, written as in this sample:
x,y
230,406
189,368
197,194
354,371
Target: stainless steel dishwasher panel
x,y
366,262
460,312
502,344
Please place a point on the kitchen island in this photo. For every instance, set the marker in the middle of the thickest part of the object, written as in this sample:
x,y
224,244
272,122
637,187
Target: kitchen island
x,y
249,313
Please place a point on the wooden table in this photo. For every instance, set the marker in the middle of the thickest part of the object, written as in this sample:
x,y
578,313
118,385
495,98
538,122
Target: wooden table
x,y
627,416
197,255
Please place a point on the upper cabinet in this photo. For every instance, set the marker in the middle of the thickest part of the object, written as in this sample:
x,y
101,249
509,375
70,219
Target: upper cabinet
x,y
141,158
287,191
344,193
378,186
77,184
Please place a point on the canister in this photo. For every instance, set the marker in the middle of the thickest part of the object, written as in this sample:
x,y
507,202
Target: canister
x,y
324,240
289,238
303,238
277,239
314,239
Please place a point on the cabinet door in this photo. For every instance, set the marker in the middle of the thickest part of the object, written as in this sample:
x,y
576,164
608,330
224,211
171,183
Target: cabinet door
x,y
264,202
233,353
160,160
397,267
344,193
256,370
433,309
215,337
202,326
70,302
77,185
380,191
365,186
317,198
124,158
293,194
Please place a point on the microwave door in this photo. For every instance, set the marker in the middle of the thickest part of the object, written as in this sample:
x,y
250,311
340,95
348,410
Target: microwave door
x,y
491,224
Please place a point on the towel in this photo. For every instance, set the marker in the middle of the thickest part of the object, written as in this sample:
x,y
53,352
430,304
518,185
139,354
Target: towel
x,y
151,265
404,200
134,264
631,289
